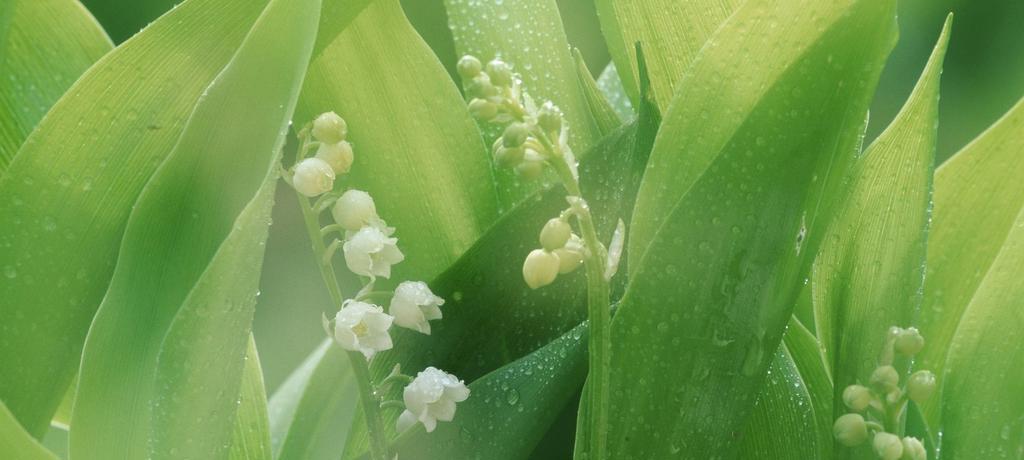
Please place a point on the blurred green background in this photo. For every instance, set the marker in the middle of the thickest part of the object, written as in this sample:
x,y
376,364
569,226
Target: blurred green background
x,y
983,77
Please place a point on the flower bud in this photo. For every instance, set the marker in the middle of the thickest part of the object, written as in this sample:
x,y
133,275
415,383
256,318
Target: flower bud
x,y
469,67
921,386
857,397
480,86
329,128
500,72
483,110
530,169
515,135
570,257
354,210
885,378
555,234
549,118
313,177
850,430
339,156
508,157
540,268
909,342
913,449
888,446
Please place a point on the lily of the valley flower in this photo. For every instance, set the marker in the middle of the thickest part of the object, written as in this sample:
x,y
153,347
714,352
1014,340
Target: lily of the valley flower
x,y
371,252
363,327
313,177
414,306
330,128
540,268
339,156
354,210
430,397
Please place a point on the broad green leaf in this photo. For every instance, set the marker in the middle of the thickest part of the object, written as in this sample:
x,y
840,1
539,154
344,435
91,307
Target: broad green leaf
x,y
978,197
312,412
729,213
527,34
417,151
672,33
869,273
169,340
64,219
17,443
601,110
250,439
509,409
45,45
610,84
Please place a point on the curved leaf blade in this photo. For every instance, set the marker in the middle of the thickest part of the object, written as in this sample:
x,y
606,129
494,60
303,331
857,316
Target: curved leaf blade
x,y
250,439
18,443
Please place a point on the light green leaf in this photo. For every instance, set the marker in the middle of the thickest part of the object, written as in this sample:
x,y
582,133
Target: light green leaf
x,y
729,214
17,443
602,112
869,273
529,36
250,439
70,189
169,340
610,84
417,151
45,45
510,409
671,32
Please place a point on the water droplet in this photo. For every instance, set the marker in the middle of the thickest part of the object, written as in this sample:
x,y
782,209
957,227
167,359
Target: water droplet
x,y
512,397
10,272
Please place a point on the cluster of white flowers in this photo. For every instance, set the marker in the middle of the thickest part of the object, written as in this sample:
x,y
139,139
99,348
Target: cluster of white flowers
x,y
883,401
370,250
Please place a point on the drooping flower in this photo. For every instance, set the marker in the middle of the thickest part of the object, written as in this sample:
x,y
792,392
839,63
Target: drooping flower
x,y
555,234
371,252
430,397
540,268
887,446
354,210
313,177
913,449
850,430
414,306
339,156
921,385
857,397
329,128
363,327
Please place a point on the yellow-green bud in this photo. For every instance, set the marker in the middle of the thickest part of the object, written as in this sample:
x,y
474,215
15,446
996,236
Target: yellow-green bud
x,y
920,386
530,169
913,449
540,268
469,67
508,157
885,378
500,72
480,86
354,210
339,156
549,118
483,110
570,257
313,177
850,430
330,128
888,446
515,135
857,397
555,234
909,342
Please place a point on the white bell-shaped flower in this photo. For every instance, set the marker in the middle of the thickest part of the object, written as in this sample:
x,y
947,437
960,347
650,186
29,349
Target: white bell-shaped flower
x,y
414,306
371,252
363,327
338,155
354,210
330,128
313,177
430,397
540,268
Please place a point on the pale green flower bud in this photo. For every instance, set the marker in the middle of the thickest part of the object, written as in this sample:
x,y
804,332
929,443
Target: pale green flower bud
x,y
339,156
500,72
549,118
469,67
313,177
885,378
913,449
857,397
515,135
555,234
354,210
909,342
509,157
483,110
530,169
329,128
570,257
850,430
540,268
888,446
481,86
921,386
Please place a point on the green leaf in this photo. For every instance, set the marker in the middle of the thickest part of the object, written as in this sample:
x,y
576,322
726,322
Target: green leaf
x,y
509,410
530,37
604,115
169,340
417,151
250,439
45,45
64,219
610,84
869,273
728,217
672,33
17,443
